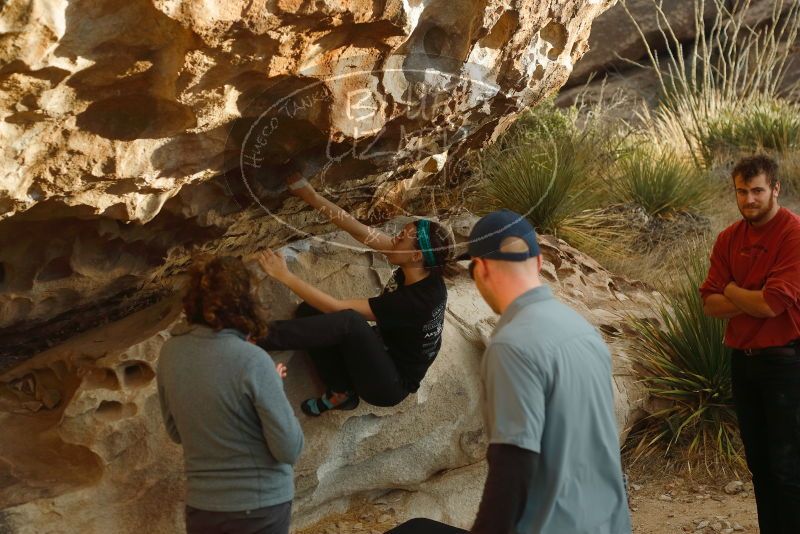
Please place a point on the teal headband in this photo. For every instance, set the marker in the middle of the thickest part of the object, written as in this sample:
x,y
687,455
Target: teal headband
x,y
424,240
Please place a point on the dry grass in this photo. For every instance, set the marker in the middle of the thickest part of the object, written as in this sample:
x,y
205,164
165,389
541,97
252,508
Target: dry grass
x,y
729,69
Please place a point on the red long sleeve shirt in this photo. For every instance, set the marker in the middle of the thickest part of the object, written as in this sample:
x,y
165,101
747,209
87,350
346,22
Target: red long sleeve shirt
x,y
767,258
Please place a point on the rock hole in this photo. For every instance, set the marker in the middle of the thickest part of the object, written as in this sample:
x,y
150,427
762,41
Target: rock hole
x,y
556,34
502,30
136,117
566,270
2,273
547,275
434,41
55,270
102,378
137,375
110,410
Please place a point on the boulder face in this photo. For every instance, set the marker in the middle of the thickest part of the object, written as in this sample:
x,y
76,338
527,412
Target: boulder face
x,y
615,41
134,130
84,450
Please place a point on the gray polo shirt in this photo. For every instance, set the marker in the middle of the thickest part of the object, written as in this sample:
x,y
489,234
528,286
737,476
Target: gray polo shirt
x,y
547,380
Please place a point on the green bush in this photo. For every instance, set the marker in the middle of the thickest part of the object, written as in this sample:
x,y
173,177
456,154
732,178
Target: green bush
x,y
686,370
772,126
555,183
546,121
660,182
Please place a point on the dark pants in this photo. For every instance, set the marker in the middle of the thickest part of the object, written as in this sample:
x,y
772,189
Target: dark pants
x,y
425,526
267,520
347,352
766,392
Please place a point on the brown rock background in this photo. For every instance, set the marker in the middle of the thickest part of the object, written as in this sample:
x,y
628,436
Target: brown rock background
x,y
134,130
615,42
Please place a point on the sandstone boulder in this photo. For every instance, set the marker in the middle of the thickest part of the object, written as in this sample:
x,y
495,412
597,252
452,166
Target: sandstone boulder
x,y
615,40
133,130
83,448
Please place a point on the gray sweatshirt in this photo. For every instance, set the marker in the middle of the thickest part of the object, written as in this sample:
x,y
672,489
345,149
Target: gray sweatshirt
x,y
223,400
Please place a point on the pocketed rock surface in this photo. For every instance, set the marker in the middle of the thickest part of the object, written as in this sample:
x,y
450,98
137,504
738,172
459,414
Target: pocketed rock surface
x,y
134,130
83,448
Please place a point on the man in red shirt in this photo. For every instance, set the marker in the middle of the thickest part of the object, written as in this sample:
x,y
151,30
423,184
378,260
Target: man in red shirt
x,y
754,281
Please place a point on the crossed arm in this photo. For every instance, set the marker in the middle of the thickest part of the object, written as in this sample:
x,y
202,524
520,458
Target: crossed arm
x,y
735,301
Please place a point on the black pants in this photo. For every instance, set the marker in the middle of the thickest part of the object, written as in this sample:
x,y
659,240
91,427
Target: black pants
x,y
268,520
425,526
347,352
766,392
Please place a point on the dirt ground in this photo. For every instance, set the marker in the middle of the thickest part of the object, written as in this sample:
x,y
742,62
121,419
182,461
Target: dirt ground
x,y
669,504
661,503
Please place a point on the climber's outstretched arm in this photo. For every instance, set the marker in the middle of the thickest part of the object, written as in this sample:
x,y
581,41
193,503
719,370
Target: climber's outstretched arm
x,y
371,237
274,264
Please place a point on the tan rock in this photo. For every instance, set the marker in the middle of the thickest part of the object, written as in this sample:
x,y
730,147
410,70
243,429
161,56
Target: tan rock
x,y
99,460
133,130
615,39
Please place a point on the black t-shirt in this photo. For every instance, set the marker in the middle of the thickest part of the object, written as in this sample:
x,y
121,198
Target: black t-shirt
x,y
410,319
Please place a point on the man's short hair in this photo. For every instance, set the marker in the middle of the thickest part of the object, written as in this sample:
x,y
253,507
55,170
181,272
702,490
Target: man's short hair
x,y
750,167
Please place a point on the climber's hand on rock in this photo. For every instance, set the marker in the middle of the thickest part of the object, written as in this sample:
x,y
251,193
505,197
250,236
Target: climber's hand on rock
x,y
281,368
305,193
273,263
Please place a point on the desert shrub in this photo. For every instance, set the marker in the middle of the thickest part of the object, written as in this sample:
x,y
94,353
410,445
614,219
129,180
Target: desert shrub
x,y
547,121
556,183
554,171
729,70
766,126
660,182
686,370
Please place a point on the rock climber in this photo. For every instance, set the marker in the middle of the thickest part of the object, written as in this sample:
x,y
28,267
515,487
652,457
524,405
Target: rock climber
x,y
222,399
381,364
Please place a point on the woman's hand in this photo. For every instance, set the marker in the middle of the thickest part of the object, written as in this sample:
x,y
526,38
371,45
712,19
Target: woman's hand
x,y
274,264
305,193
282,371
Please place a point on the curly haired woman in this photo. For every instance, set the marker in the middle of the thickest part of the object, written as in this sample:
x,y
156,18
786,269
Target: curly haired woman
x,y
222,398
382,365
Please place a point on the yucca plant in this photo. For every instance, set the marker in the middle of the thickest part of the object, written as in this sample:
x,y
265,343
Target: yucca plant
x,y
686,370
660,182
555,183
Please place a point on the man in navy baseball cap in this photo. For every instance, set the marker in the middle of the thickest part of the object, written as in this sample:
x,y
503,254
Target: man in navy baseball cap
x,y
554,465
489,233
502,243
